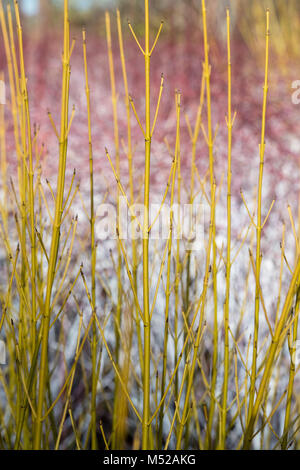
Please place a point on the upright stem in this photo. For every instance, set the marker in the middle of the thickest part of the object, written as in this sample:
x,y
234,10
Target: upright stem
x,y
55,230
194,139
147,331
259,225
228,258
23,207
210,142
131,184
28,172
119,265
168,282
177,272
93,254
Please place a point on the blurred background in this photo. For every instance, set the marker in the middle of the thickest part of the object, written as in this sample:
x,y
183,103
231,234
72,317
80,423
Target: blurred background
x,y
247,17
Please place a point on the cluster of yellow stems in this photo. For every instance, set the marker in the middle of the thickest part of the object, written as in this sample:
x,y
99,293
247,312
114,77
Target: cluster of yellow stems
x,y
43,293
